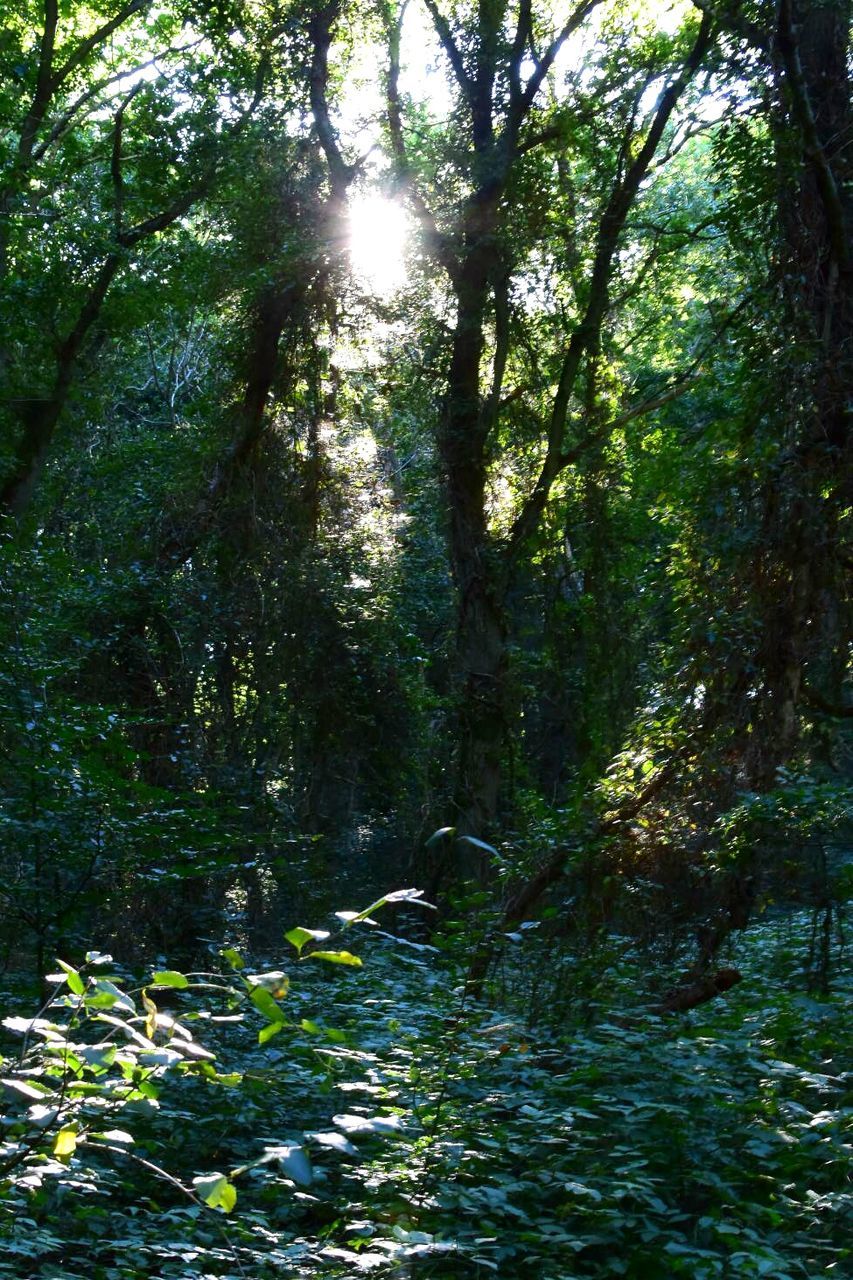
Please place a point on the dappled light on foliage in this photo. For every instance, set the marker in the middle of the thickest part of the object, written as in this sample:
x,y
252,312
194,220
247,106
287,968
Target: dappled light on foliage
x,y
425,460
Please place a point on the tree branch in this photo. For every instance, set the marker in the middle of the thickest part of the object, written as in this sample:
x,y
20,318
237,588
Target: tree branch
x,y
523,901
814,150
437,243
522,38
729,19
115,163
586,335
41,418
97,38
320,31
64,122
551,134
44,84
543,66
450,47
700,992
493,404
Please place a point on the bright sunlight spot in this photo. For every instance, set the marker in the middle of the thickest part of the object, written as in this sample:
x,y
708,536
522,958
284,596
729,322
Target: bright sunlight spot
x,y
378,231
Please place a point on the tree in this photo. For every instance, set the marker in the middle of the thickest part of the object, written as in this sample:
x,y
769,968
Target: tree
x,y
65,154
499,80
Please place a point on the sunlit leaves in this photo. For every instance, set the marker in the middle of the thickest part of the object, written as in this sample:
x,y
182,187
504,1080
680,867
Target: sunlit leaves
x,y
72,977
26,1088
65,1142
546,1146
357,1124
336,1141
265,1003
275,981
216,1191
413,896
437,836
170,978
120,1137
106,995
294,1163
337,957
476,843
298,937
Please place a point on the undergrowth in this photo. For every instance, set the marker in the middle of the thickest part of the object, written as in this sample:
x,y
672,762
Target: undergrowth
x,y
390,1128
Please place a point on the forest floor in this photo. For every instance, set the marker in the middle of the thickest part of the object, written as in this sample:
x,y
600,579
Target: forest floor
x,y
391,1129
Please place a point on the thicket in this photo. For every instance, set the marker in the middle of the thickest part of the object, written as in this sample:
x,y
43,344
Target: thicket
x,y
524,580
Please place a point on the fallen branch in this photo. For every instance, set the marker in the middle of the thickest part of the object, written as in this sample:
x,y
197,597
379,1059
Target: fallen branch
x,y
700,992
521,904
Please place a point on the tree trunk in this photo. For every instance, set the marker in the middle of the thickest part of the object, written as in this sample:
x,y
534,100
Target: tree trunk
x,y
478,262
480,657
812,484
39,418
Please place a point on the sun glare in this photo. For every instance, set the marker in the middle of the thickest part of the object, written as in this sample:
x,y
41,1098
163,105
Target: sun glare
x,y
378,231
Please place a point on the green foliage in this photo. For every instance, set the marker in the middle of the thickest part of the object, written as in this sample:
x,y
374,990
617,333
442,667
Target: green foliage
x,y
103,1051
278,597
418,1128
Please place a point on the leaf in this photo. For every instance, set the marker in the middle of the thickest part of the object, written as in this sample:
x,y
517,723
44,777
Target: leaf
x,y
293,1159
581,1189
65,1142
265,1004
298,937
27,1090
335,957
28,1025
216,1191
98,1055
107,995
120,1136
439,835
271,1029
72,977
42,1117
233,957
350,917
398,895
151,1014
407,942
159,1058
170,978
136,1036
415,896
295,1163
189,1049
335,1140
367,1124
228,1197
477,844
275,982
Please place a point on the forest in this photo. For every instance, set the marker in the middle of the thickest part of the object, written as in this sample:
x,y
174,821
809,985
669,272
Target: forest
x,y
426,529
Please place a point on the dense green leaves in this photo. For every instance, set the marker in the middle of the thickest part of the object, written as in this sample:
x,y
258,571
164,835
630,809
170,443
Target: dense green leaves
x,y
710,1145
541,550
